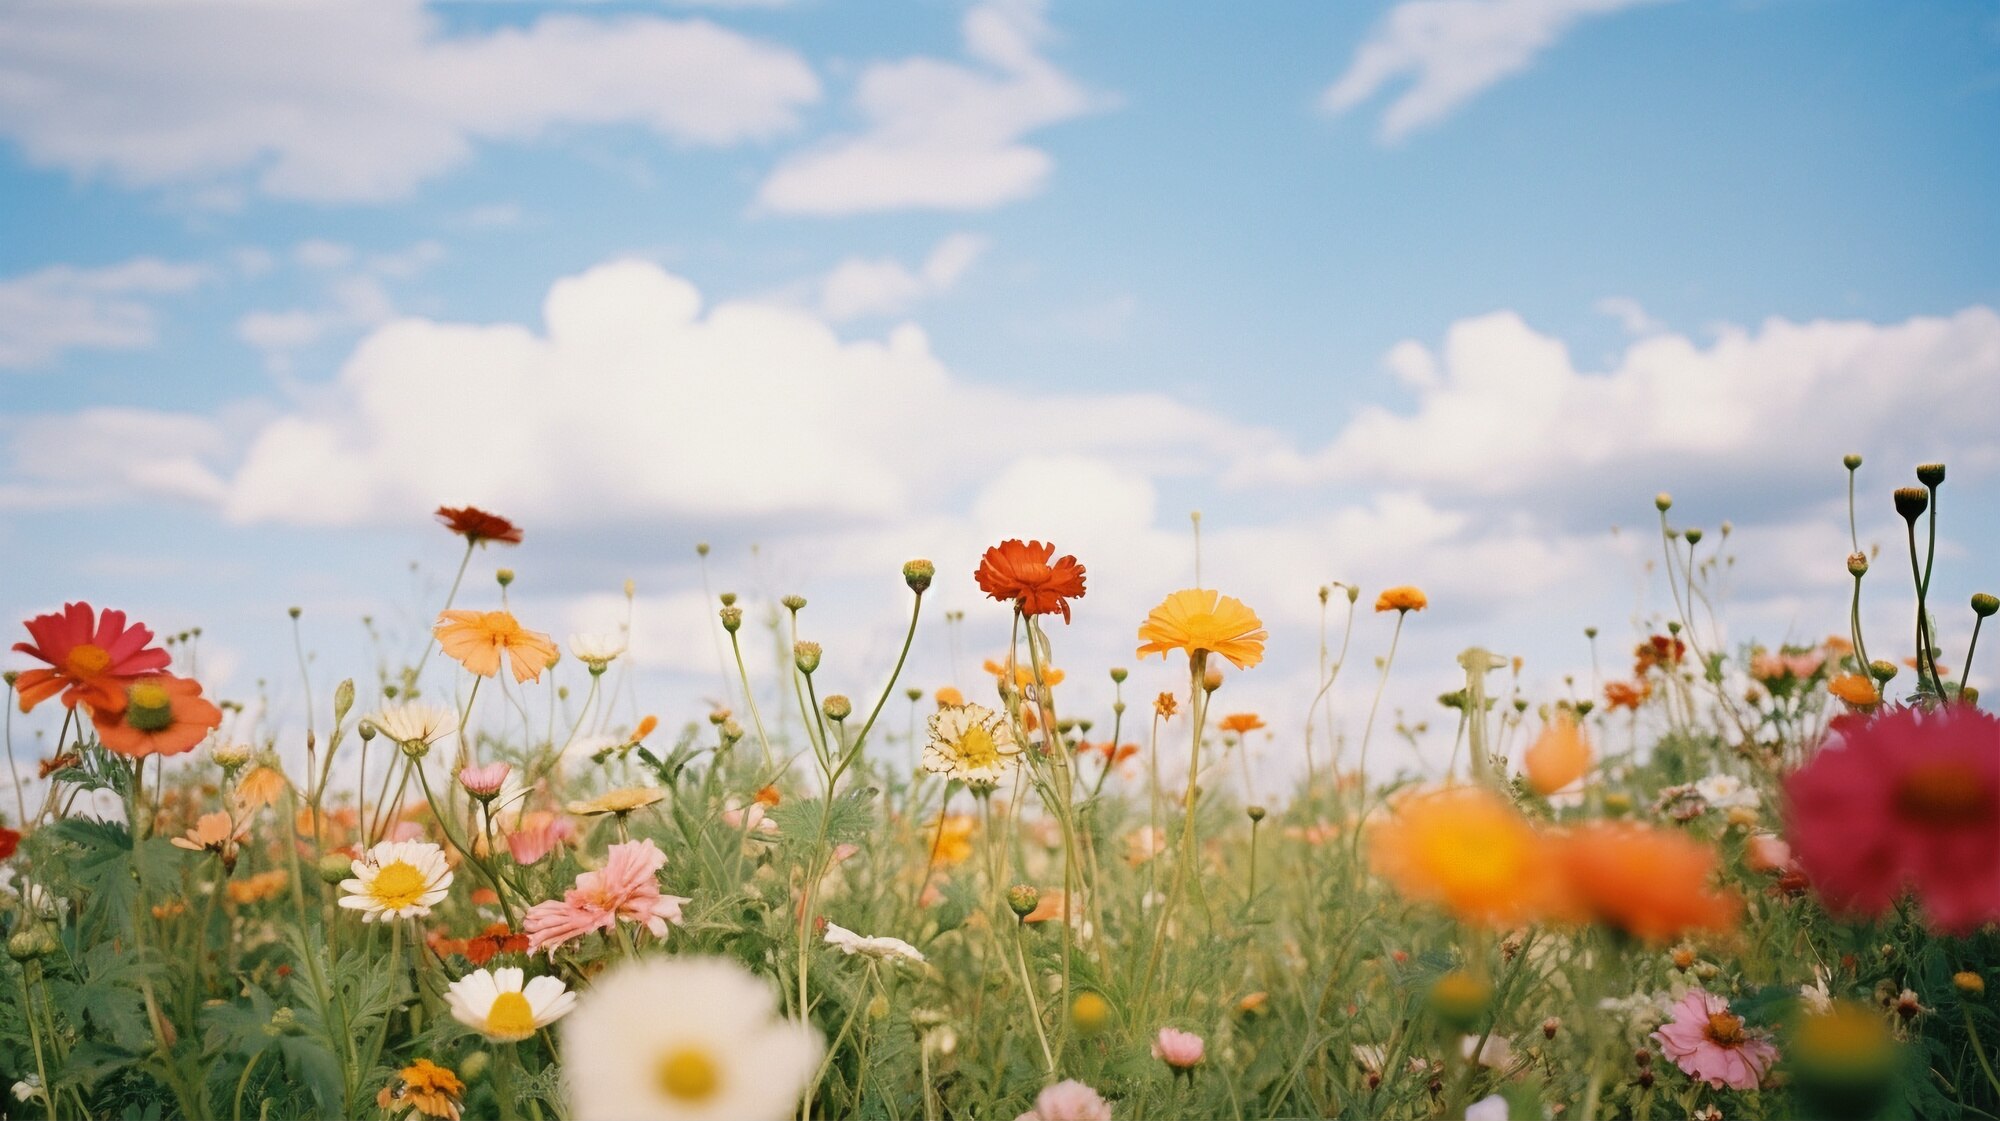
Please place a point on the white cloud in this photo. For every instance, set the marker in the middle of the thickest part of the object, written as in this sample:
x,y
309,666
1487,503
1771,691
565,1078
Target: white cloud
x,y
355,297
1450,51
1509,412
1630,315
63,307
861,286
344,102
942,135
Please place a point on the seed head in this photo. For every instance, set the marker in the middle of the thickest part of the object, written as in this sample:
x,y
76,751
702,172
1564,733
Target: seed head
x,y
837,707
805,655
918,573
1911,502
1931,474
794,603
1984,604
732,618
1857,564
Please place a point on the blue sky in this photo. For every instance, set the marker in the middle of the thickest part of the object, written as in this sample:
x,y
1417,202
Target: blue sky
x,y
1433,291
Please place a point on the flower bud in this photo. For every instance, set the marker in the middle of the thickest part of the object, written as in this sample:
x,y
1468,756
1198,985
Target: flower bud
x,y
1118,675
1693,536
1353,593
1984,604
1882,670
1931,474
1851,461
1857,564
24,945
918,574
334,868
878,1007
1550,1027
1911,502
1969,983
794,603
701,548
1255,813
343,699
728,599
1022,899
732,618
1663,502
731,731
805,655
505,576
474,1065
837,707
1212,680
366,730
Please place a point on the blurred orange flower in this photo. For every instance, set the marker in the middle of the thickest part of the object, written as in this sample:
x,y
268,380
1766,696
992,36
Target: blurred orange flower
x,y
1468,850
1558,757
1198,619
1854,689
477,639
1402,597
1650,883
1241,722
257,888
948,697
1021,573
260,787
1627,694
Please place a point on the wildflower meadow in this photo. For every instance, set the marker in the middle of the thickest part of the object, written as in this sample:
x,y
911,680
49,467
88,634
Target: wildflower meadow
x,y
1711,880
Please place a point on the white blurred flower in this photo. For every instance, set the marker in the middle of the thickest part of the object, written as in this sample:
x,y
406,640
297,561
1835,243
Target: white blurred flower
x,y
596,650
1492,1107
881,948
1727,792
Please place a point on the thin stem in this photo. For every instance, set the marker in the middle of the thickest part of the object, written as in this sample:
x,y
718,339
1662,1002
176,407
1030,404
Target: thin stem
x,y
430,642
1380,686
1966,671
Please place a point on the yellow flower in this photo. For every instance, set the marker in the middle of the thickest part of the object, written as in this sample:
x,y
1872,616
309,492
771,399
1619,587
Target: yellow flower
x,y
1402,597
1198,619
951,838
425,1089
478,638
621,801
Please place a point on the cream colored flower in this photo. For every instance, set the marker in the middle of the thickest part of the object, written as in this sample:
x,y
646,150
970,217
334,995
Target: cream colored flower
x,y
621,801
496,1004
397,879
596,650
685,1039
971,743
881,947
415,723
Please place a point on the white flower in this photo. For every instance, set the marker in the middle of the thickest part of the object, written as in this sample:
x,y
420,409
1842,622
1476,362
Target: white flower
x,y
416,723
1727,792
596,650
28,1088
498,1006
1816,999
971,743
881,948
1497,1053
397,879
1492,1107
683,1039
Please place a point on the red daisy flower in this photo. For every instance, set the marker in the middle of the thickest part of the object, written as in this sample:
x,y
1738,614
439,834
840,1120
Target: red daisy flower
x,y
92,657
1904,800
1022,574
477,526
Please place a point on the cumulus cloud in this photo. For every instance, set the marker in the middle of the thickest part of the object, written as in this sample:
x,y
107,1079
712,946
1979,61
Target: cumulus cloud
x,y
344,102
942,135
355,297
862,286
1450,51
63,307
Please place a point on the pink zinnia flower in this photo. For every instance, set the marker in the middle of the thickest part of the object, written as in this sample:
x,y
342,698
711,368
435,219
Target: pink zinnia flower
x,y
483,782
537,839
1903,800
626,888
1181,1050
1068,1101
93,657
1712,1045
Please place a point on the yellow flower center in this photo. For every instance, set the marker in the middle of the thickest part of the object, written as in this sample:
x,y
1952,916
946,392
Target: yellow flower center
x,y
398,885
148,707
511,1017
689,1074
976,747
88,660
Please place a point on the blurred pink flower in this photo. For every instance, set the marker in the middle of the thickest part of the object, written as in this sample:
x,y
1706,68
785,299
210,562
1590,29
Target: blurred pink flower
x,y
1181,1050
1068,1101
1712,1044
535,840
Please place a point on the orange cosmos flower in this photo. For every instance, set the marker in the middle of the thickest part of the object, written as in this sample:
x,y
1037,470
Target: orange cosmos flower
x,y
1627,694
478,638
257,888
1647,882
1559,756
1022,574
1165,706
1241,722
1402,597
92,658
948,697
162,715
477,526
1468,850
1855,689
1196,619
261,787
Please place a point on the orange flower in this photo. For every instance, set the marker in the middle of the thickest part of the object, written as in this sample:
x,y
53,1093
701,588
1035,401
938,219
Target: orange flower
x,y
214,832
478,638
1855,690
1402,597
1049,905
767,795
1165,706
1559,756
1199,619
477,526
1241,722
948,697
1468,850
1022,574
951,838
257,888
261,787
1114,753
162,715
1647,882
1627,694
646,725
425,1089
92,657
1023,675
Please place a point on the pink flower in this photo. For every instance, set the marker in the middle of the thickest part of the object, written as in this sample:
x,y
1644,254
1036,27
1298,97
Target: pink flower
x,y
1767,852
483,782
1903,800
1181,1050
749,819
534,841
1711,1044
1068,1101
626,888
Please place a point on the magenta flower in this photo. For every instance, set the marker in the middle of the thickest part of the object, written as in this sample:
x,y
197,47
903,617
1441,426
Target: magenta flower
x,y
1712,1045
627,888
1181,1050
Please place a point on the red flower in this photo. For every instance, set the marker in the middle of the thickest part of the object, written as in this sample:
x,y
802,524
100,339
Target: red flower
x,y
1021,574
9,841
1904,800
159,715
92,658
477,526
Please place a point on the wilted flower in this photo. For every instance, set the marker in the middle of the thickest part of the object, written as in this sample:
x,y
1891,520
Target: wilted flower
x,y
880,947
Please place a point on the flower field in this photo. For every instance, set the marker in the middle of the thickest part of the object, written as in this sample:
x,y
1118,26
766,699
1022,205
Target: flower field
x,y
1720,881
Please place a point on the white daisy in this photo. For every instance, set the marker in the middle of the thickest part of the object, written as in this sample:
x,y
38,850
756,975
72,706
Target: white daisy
x,y
683,1039
596,650
881,948
497,1005
1726,792
397,879
415,724
971,743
